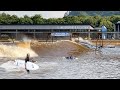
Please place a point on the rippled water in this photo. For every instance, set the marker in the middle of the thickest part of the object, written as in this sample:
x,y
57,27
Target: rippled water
x,y
99,65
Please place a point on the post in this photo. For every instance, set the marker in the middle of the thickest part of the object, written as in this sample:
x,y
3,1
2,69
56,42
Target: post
x,y
102,42
34,34
89,34
12,39
102,38
78,37
114,35
52,36
70,35
0,34
16,34
96,42
118,31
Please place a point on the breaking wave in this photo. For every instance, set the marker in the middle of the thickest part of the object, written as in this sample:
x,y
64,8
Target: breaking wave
x,y
14,51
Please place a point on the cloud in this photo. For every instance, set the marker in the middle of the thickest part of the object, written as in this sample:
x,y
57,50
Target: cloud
x,y
53,14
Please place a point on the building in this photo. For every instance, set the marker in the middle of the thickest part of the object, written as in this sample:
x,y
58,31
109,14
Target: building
x,y
44,32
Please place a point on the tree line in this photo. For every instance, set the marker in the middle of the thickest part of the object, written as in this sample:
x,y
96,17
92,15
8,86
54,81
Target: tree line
x,y
95,21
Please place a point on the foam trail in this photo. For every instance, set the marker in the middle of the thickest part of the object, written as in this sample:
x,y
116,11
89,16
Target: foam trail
x,y
9,66
86,43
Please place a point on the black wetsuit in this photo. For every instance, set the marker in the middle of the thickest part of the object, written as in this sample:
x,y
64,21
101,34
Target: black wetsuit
x,y
26,60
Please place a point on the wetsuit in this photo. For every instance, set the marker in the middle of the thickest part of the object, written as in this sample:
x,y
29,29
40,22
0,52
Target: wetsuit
x,y
26,60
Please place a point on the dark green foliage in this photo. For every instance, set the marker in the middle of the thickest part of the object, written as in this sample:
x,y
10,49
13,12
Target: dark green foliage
x,y
93,13
37,19
83,19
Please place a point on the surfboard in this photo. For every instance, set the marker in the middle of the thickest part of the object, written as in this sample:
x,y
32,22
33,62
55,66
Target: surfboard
x,y
29,65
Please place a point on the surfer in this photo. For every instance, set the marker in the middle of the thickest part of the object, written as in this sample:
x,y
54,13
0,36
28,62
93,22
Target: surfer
x,y
71,57
26,60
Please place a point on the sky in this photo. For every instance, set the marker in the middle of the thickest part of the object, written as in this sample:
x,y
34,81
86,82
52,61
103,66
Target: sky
x,y
44,14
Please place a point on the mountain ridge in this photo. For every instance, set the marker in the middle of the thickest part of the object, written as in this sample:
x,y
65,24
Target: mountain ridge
x,y
92,13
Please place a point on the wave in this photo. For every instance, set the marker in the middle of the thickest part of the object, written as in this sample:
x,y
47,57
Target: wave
x,y
14,51
60,48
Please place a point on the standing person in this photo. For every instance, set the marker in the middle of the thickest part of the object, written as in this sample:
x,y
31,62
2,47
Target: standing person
x,y
26,60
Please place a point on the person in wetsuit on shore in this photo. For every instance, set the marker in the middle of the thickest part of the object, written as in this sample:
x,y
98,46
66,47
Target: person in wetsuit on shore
x,y
26,60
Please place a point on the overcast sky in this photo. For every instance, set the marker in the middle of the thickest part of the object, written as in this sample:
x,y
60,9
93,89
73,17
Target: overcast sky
x,y
45,14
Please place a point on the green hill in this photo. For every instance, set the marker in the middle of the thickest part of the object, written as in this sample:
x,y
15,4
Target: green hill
x,y
92,13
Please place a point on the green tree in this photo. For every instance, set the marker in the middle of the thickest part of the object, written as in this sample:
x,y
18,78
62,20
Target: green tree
x,y
51,21
25,20
69,20
37,19
114,18
5,18
107,23
60,21
14,19
97,20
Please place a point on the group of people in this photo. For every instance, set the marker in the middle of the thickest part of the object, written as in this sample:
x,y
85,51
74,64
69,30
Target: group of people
x,y
69,57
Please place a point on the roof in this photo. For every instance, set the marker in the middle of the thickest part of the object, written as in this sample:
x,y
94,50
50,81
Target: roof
x,y
97,28
46,27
